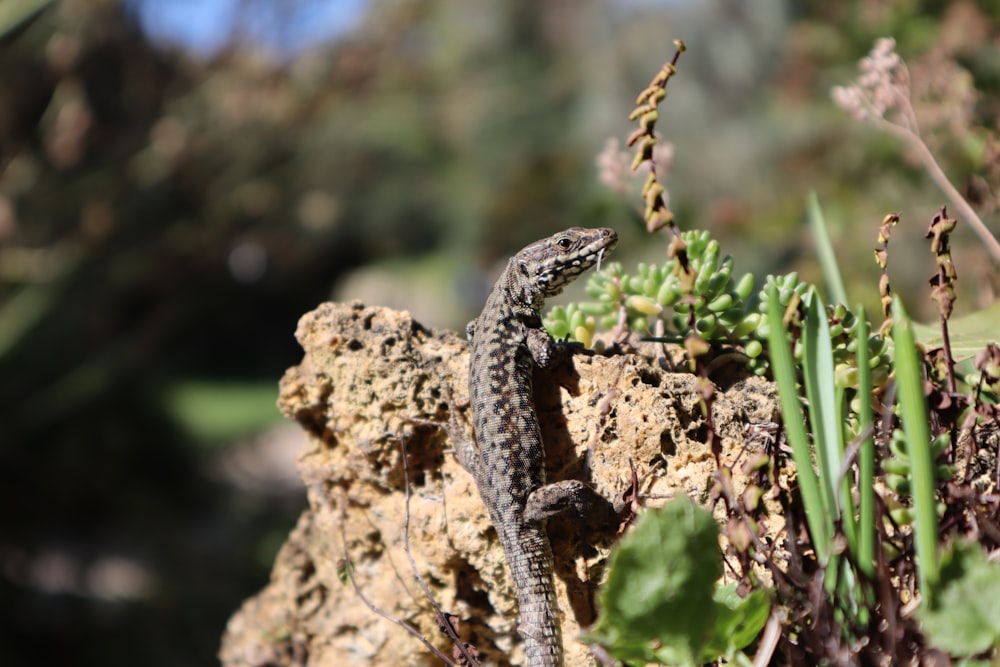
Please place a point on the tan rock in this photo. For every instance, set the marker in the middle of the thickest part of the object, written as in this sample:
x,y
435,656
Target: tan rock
x,y
366,374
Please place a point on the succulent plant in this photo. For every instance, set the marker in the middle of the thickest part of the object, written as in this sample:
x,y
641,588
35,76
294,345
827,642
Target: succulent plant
x,y
663,302
898,475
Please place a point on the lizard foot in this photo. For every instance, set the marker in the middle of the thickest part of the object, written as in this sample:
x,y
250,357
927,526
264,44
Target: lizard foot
x,y
569,495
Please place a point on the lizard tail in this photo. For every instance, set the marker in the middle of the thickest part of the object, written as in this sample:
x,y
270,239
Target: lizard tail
x,y
530,563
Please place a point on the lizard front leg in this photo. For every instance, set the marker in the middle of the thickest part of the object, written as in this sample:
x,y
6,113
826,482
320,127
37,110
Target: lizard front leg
x,y
569,495
543,349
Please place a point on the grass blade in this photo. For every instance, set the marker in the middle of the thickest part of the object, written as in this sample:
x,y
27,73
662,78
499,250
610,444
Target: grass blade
x,y
866,455
820,390
913,414
824,250
783,368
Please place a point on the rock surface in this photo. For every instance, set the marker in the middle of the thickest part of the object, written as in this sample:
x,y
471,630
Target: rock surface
x,y
369,382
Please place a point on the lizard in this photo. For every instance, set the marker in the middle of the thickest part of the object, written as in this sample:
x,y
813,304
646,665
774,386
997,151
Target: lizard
x,y
506,457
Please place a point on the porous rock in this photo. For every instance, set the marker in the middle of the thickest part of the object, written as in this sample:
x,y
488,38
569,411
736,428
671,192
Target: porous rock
x,y
373,382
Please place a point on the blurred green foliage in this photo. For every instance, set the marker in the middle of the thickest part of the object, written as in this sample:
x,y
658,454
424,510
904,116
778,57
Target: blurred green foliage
x,y
14,13
164,220
219,412
663,603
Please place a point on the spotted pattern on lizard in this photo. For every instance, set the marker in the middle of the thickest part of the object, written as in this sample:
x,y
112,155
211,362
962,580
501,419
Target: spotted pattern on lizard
x,y
507,458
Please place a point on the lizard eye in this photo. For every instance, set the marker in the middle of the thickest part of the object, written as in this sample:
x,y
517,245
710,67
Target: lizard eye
x,y
564,243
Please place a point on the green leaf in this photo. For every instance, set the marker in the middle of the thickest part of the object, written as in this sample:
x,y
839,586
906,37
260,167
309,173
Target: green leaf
x,y
738,621
968,334
657,605
965,617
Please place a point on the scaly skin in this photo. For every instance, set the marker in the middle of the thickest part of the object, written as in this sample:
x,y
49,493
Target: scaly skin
x,y
507,460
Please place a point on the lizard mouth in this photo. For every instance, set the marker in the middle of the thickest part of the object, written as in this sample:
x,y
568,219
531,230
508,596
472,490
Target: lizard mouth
x,y
564,268
593,254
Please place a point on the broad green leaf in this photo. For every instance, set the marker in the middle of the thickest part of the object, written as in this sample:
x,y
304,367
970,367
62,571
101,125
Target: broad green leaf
x,y
738,621
968,334
657,605
965,616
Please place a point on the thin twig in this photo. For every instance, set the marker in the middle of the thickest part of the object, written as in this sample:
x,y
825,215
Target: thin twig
x,y
349,569
850,454
768,641
443,620
955,198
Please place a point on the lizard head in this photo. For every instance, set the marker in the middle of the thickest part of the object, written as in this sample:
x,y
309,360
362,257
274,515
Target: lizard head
x,y
553,263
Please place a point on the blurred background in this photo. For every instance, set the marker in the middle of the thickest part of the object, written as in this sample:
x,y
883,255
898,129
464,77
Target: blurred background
x,y
181,180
